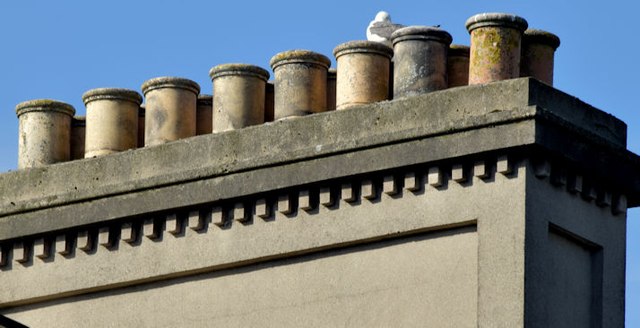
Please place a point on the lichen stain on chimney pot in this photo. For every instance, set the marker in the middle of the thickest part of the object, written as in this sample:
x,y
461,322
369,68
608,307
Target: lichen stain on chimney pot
x,y
495,47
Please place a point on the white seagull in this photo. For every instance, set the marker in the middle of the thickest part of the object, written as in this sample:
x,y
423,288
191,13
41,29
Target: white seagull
x,y
381,27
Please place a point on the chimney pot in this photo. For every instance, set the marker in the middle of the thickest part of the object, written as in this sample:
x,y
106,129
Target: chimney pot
x,y
363,72
420,60
332,75
458,65
112,120
170,109
141,115
495,46
300,83
78,131
238,96
204,112
45,129
268,101
538,50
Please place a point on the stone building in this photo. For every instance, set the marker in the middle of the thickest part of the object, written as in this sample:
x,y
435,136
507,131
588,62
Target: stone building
x,y
498,203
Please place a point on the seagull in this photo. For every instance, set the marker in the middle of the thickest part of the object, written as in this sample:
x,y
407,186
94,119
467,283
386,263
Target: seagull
x,y
381,27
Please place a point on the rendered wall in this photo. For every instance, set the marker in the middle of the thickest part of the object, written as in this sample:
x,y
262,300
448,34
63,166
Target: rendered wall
x,y
428,279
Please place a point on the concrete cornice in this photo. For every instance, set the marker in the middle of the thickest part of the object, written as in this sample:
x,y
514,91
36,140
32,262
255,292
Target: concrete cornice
x,y
445,124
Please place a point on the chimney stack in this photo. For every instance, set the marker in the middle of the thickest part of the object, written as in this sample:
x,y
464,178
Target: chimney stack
x,y
112,120
170,109
44,132
363,73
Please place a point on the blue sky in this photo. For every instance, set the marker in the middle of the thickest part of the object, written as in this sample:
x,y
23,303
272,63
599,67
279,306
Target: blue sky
x,y
60,49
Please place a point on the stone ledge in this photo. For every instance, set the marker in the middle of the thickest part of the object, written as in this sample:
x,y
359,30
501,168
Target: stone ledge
x,y
264,179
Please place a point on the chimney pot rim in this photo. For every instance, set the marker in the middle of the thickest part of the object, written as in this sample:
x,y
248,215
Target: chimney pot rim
x,y
111,94
363,46
299,56
205,99
238,69
496,20
459,50
79,121
170,82
540,36
419,32
44,105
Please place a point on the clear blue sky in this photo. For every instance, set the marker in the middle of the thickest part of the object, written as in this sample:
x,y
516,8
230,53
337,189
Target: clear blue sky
x,y
60,49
